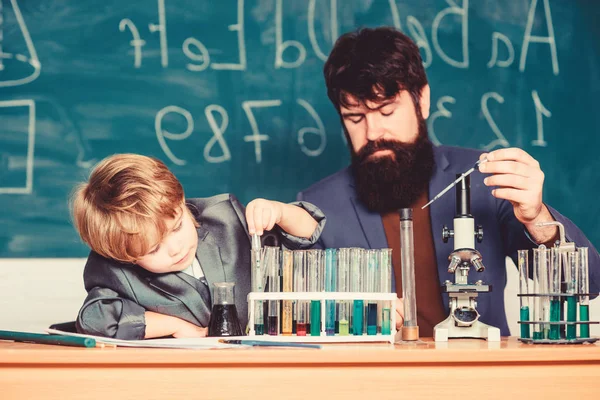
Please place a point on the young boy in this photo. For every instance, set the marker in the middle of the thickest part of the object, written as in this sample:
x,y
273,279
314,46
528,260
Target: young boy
x,y
155,254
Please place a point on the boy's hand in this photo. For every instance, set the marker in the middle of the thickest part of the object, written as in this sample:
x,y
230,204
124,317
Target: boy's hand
x,y
262,215
188,330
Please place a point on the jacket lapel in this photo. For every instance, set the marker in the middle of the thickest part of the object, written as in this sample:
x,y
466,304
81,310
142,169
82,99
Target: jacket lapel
x,y
209,259
371,225
182,287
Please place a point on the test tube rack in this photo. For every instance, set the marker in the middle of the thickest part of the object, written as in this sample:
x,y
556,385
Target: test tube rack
x,y
562,340
323,297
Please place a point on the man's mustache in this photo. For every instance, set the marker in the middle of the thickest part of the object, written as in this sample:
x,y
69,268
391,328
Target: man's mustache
x,y
398,148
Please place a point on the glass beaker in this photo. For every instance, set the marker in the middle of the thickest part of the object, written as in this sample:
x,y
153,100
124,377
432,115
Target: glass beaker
x,y
224,319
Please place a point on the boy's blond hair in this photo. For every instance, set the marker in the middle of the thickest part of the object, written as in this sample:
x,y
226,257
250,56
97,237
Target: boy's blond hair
x,y
124,205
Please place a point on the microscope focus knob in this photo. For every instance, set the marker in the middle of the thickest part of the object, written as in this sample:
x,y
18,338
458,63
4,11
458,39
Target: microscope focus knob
x,y
447,234
479,233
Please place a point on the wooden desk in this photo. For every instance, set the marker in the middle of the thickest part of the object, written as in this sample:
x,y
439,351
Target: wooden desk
x,y
460,367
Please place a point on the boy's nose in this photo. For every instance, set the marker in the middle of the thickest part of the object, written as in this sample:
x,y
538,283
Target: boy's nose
x,y
175,247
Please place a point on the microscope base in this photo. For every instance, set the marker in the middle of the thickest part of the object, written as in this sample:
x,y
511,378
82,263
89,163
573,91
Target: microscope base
x,y
447,329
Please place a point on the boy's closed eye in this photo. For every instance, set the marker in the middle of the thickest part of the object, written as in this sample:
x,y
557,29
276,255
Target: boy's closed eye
x,y
176,229
155,250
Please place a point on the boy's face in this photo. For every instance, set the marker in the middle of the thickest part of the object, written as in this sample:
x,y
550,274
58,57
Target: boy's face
x,y
177,250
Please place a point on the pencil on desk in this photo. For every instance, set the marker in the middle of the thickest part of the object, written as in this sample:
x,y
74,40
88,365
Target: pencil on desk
x,y
42,338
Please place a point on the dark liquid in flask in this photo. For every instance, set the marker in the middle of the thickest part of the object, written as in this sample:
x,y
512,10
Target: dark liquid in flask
x,y
224,321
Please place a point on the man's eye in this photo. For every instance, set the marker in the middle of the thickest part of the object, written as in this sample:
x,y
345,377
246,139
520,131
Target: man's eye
x,y
355,120
387,114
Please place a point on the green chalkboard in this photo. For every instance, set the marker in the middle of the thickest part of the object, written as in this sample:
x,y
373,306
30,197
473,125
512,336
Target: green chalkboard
x,y
230,95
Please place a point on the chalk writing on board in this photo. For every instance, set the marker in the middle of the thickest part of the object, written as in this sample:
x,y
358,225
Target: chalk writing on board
x,y
500,140
529,38
27,186
540,111
30,59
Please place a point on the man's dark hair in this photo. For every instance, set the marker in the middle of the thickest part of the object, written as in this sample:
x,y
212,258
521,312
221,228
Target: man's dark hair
x,y
373,65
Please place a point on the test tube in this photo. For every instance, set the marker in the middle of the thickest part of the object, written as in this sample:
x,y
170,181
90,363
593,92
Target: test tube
x,y
258,284
287,268
371,286
330,286
540,288
300,285
584,289
271,261
555,281
410,328
316,280
344,286
524,292
571,271
356,278
385,286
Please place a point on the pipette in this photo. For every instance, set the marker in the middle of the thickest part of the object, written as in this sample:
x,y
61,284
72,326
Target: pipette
x,y
450,186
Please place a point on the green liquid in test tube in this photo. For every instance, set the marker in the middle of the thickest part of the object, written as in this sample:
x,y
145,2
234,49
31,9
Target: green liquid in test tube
x,y
571,271
584,289
344,286
540,288
356,278
385,283
315,273
555,281
330,286
524,291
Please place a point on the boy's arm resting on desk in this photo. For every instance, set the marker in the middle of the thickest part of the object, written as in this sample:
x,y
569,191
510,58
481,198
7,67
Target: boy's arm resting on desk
x,y
104,313
161,325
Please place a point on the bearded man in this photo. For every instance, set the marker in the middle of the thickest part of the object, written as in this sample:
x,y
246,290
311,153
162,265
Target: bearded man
x,y
376,80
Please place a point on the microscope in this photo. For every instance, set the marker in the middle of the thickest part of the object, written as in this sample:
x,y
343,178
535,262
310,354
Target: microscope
x,y
463,321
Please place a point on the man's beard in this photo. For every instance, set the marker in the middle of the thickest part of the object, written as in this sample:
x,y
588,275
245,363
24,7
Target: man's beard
x,y
390,182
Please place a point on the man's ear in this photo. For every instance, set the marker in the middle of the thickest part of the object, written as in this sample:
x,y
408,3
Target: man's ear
x,y
425,101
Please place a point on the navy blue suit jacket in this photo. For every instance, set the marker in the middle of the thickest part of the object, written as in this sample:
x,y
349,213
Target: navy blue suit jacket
x,y
351,224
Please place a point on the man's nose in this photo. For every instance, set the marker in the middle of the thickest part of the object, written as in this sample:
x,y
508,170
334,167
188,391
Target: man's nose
x,y
375,128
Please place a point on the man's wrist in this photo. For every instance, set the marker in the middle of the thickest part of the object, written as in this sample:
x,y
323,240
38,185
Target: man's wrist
x,y
542,234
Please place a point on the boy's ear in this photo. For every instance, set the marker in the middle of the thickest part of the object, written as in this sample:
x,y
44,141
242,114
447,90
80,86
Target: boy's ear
x,y
425,101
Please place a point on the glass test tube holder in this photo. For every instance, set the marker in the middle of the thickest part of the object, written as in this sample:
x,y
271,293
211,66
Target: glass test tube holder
x,y
564,246
562,296
322,297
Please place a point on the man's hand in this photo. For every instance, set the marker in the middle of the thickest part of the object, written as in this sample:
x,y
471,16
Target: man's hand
x,y
520,180
262,215
399,313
